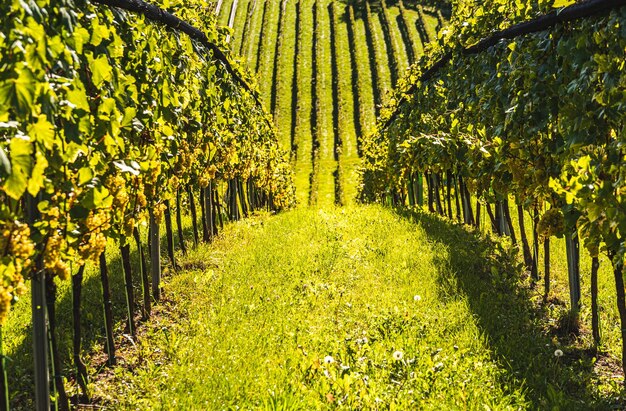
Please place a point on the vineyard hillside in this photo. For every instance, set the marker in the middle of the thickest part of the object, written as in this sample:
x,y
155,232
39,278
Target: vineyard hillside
x,y
325,68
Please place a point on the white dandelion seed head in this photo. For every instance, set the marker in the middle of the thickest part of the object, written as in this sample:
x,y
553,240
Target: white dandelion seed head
x,y
558,353
397,355
417,298
329,359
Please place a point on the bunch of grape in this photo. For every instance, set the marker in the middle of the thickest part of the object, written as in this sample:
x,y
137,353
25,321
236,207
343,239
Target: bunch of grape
x,y
551,223
17,249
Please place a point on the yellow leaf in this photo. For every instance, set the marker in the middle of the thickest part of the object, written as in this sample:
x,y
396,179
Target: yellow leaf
x,y
42,131
562,3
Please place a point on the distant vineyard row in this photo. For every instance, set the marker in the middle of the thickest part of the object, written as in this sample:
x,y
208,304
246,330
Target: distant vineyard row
x,y
327,67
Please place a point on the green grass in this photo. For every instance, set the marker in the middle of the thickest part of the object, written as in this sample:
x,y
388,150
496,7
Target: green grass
x,y
365,81
224,12
557,307
394,14
326,193
411,16
253,324
285,77
239,25
302,128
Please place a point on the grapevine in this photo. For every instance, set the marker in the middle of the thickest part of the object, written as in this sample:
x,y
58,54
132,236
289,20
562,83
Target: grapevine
x,y
98,138
526,105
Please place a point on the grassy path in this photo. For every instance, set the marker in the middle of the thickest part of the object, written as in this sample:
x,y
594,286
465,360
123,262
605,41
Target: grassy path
x,y
359,308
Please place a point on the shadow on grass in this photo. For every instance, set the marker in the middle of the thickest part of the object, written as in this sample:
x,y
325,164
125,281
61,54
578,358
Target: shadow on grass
x,y
483,272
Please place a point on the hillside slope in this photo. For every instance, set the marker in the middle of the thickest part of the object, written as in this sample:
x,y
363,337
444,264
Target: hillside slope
x,y
325,67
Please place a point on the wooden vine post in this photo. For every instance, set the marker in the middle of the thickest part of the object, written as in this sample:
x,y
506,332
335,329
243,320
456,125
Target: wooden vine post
x,y
595,318
155,258
39,320
145,281
546,268
194,216
128,285
179,223
108,310
573,269
503,227
169,234
81,369
4,383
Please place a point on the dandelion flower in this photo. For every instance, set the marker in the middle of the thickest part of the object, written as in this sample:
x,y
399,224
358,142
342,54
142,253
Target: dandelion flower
x,y
417,298
558,353
397,355
329,360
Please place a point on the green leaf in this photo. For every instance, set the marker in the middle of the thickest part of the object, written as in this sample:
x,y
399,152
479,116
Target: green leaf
x,y
99,32
101,70
106,110
78,96
562,3
85,175
81,36
25,90
129,115
165,93
18,92
42,131
97,197
21,150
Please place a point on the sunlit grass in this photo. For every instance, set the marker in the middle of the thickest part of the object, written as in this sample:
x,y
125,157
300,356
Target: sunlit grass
x,y
305,310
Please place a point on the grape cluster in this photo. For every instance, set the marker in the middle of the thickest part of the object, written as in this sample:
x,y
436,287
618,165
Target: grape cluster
x,y
93,246
551,223
52,257
17,249
158,211
95,241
